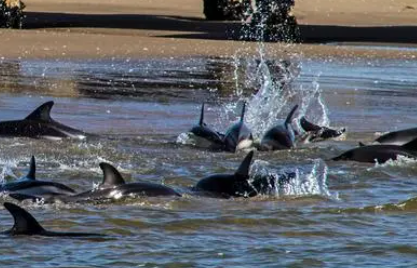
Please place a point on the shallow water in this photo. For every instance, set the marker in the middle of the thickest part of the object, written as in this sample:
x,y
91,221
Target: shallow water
x,y
337,214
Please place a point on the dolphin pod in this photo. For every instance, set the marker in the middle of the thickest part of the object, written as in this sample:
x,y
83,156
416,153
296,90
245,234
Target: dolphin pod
x,y
279,137
39,124
112,187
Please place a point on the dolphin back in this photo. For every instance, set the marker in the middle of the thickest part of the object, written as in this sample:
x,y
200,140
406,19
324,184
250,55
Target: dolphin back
x,y
411,146
400,137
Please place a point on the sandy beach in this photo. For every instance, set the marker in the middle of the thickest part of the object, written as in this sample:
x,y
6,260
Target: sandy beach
x,y
71,29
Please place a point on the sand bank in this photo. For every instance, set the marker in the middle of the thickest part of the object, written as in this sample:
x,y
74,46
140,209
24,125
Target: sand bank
x,y
154,28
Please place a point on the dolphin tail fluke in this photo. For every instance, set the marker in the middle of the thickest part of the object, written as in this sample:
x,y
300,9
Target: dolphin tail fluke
x,y
308,126
290,115
111,176
412,145
201,122
243,170
32,170
42,113
24,222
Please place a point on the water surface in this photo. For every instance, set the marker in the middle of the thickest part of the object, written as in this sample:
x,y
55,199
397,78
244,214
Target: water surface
x,y
336,214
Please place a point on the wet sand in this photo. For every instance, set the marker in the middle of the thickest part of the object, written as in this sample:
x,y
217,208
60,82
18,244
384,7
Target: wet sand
x,y
154,28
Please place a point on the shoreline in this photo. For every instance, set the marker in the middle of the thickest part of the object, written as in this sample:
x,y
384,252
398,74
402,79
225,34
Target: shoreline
x,y
65,46
72,29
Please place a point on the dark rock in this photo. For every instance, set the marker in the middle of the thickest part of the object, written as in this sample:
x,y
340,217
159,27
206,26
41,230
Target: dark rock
x,y
11,14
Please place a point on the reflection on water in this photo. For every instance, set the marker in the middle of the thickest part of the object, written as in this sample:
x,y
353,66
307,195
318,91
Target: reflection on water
x,y
334,214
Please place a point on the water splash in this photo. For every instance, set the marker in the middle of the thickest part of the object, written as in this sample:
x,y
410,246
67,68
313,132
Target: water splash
x,y
7,172
312,104
400,162
293,182
268,88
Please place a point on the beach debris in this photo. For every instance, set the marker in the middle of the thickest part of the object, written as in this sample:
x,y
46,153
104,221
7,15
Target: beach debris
x,y
11,14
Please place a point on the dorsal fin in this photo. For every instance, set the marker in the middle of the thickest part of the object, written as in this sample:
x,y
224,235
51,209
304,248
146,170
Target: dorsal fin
x,y
111,177
290,115
201,122
32,170
412,145
43,112
242,115
243,170
24,222
361,144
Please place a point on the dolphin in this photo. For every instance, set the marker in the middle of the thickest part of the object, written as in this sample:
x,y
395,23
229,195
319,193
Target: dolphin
x,y
316,132
113,187
379,153
204,133
39,124
26,224
238,136
281,136
28,185
229,185
400,137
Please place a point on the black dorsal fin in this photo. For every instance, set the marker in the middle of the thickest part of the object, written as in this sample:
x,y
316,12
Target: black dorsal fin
x,y
290,115
32,169
201,122
43,112
24,222
243,170
111,177
242,115
412,145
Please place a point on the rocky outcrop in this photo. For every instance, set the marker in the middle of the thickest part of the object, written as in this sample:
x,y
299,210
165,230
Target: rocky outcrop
x,y
11,14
